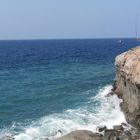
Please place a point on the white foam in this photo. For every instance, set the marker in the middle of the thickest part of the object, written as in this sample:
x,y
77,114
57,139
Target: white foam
x,y
86,117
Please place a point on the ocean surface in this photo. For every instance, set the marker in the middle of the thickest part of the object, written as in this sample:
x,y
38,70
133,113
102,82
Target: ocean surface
x,y
51,87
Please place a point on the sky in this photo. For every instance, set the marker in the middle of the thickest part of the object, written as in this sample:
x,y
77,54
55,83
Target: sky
x,y
68,19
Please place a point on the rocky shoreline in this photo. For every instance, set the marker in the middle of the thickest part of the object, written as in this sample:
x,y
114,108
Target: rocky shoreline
x,y
127,87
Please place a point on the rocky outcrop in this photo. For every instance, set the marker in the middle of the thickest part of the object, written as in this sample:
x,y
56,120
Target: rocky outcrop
x,y
127,87
127,84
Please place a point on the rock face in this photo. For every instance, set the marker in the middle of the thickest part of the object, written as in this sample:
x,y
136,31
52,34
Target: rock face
x,y
127,84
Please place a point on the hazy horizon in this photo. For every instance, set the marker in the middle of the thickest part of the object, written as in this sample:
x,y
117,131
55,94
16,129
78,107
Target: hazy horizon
x,y
81,19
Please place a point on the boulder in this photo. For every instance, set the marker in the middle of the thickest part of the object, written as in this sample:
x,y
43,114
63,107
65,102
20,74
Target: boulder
x,y
81,135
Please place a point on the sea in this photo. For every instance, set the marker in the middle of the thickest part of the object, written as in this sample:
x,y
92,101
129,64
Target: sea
x,y
49,88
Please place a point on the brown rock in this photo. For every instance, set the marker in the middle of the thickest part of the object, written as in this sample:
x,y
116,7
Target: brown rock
x,y
81,135
127,84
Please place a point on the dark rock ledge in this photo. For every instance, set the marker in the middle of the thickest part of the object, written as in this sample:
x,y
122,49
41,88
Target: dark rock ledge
x,y
127,87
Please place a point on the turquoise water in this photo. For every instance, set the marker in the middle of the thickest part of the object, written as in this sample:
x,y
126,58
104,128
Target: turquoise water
x,y
52,85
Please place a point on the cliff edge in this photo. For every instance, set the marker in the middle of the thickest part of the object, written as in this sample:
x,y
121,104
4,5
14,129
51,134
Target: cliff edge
x,y
127,84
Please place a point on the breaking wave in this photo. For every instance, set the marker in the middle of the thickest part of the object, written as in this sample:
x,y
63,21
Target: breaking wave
x,y
102,109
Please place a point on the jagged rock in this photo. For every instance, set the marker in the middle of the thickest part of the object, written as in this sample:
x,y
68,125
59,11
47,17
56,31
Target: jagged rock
x,y
81,135
127,84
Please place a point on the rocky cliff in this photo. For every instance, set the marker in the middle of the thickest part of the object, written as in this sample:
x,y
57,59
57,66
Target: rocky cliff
x,y
127,84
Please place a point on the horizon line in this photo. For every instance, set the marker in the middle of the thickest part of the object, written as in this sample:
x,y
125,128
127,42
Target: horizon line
x,y
67,38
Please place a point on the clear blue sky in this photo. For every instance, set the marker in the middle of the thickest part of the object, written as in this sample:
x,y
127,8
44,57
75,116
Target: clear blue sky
x,y
51,19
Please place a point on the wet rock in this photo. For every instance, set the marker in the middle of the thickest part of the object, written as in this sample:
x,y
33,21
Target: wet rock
x,y
101,128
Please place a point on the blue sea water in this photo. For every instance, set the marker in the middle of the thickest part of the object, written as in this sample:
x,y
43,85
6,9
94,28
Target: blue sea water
x,y
48,86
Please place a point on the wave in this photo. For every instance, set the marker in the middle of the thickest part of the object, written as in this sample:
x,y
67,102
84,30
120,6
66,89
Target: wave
x,y
102,109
